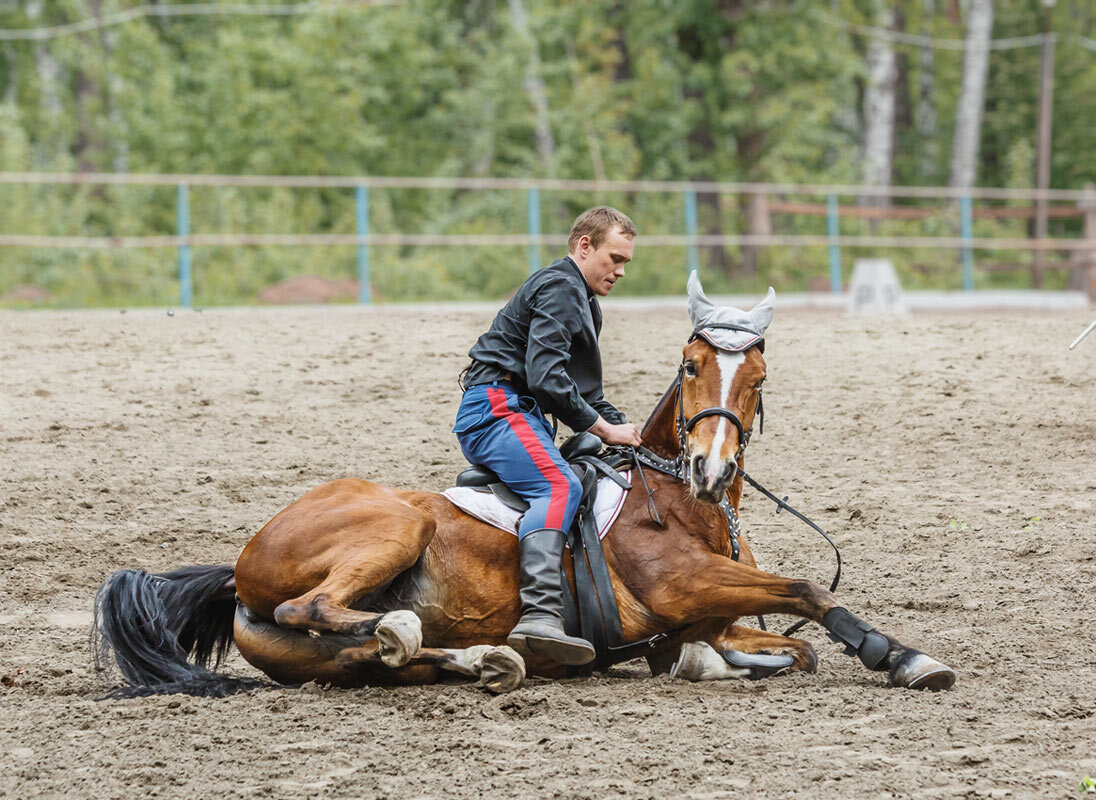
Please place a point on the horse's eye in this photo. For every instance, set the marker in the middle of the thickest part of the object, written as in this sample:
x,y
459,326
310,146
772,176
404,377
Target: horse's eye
x,y
690,369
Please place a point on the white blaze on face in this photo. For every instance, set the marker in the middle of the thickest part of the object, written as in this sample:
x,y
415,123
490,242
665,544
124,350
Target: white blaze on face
x,y
728,364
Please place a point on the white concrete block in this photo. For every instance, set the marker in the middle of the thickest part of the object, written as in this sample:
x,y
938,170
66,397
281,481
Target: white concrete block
x,y
875,288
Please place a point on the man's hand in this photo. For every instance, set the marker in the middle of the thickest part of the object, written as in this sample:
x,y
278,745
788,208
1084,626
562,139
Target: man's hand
x,y
626,434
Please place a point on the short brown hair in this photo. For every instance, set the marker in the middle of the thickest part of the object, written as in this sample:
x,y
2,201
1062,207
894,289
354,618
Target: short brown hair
x,y
597,223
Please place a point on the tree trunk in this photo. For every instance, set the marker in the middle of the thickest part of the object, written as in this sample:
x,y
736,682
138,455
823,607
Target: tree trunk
x,y
709,209
972,96
926,122
534,85
879,106
90,107
758,223
903,102
593,144
46,148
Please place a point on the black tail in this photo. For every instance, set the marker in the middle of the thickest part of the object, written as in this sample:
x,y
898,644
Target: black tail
x,y
162,631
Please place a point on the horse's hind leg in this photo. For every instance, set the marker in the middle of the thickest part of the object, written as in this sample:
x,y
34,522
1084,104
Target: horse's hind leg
x,y
324,610
368,563
498,669
741,652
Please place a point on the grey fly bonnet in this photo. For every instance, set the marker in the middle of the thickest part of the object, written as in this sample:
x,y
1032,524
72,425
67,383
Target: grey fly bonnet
x,y
725,328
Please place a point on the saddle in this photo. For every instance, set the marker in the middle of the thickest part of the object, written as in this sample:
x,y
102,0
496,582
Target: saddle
x,y
591,612
581,451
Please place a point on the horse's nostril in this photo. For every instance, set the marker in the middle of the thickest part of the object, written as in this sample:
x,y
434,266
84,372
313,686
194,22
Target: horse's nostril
x,y
698,463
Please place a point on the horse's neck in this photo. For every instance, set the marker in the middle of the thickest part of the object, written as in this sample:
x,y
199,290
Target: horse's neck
x,y
660,432
660,436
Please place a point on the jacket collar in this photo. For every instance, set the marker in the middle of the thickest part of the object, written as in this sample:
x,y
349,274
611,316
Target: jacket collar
x,y
589,292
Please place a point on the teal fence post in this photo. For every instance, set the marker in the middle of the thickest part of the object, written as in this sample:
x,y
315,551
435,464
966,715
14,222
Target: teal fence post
x,y
965,234
182,227
692,258
534,229
361,202
833,230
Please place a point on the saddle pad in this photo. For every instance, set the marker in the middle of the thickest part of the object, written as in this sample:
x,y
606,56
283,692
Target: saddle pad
x,y
485,507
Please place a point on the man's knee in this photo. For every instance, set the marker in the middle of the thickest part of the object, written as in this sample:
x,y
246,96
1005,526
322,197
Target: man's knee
x,y
574,490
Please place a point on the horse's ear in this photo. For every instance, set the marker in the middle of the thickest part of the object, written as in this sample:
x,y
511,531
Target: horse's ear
x,y
700,307
762,313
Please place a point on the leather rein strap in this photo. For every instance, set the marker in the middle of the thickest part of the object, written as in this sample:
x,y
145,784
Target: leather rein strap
x,y
781,504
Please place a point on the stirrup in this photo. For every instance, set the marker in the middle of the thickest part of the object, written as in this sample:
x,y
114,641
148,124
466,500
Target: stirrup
x,y
541,638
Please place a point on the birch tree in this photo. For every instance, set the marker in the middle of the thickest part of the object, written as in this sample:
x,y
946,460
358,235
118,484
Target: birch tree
x,y
879,102
534,85
926,101
972,96
50,78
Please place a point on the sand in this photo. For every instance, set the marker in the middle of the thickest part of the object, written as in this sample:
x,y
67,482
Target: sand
x,y
952,456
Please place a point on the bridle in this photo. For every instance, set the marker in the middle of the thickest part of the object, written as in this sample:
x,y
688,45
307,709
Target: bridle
x,y
684,427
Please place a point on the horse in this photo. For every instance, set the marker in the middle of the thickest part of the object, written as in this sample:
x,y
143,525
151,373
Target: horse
x,y
357,583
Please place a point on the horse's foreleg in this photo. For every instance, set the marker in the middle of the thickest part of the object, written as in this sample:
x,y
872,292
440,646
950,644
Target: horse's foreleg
x,y
498,669
741,652
726,588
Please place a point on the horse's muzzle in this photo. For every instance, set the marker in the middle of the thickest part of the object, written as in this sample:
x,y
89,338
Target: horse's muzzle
x,y
706,488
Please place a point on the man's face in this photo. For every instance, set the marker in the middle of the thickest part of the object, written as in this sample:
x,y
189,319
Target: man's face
x,y
604,266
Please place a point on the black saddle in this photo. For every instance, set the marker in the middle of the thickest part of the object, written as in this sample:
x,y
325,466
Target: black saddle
x,y
580,451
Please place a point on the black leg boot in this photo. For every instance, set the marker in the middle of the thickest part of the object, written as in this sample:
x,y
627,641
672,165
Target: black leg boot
x,y
539,632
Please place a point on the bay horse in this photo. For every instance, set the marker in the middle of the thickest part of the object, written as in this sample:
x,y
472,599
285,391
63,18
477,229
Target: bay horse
x,y
357,583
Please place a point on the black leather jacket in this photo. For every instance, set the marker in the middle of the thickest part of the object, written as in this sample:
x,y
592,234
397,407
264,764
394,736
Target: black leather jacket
x,y
545,337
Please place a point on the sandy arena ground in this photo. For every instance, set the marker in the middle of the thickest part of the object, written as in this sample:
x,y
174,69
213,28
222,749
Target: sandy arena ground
x,y
953,457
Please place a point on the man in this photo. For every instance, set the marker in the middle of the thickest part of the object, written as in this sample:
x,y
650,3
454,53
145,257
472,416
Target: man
x,y
541,357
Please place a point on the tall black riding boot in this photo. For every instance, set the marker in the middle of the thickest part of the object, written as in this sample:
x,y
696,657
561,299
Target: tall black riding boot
x,y
539,632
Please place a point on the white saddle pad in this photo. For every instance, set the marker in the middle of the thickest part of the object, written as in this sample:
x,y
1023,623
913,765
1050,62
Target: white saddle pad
x,y
486,507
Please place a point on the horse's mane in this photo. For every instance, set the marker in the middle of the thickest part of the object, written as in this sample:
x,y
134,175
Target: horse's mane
x,y
658,431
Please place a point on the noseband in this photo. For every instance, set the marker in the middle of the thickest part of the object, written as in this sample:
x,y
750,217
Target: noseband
x,y
685,426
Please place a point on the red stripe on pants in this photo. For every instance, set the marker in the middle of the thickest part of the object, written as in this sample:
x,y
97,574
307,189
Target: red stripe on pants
x,y
557,504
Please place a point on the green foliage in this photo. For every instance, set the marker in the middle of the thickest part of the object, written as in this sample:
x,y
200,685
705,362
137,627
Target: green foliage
x,y
651,89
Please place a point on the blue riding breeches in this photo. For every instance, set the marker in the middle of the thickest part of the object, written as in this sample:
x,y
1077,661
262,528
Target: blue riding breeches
x,y
507,433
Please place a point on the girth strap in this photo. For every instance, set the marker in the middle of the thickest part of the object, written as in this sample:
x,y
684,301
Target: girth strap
x,y
599,616
598,612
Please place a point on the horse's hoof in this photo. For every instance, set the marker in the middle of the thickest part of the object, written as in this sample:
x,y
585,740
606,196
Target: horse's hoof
x,y
760,665
399,636
501,670
916,670
700,662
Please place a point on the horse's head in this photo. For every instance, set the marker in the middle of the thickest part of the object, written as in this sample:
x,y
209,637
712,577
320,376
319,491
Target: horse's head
x,y
722,371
